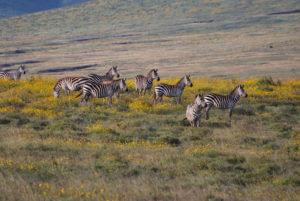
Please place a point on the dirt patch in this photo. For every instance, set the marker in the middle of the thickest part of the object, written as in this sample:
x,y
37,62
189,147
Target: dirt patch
x,y
74,68
286,12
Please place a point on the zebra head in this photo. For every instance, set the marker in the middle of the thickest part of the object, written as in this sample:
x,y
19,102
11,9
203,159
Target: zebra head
x,y
241,92
55,93
154,75
114,71
199,100
21,69
123,84
187,80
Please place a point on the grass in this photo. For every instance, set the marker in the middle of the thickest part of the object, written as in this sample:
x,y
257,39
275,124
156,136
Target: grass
x,y
59,149
209,38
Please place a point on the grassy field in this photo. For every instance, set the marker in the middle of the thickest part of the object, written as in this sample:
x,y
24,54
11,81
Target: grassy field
x,y
227,39
59,149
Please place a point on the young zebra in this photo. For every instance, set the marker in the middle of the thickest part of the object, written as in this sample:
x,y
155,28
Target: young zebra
x,y
111,73
13,76
172,90
69,84
103,90
193,111
224,102
143,83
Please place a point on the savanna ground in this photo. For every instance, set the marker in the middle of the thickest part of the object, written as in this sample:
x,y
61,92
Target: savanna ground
x,y
59,149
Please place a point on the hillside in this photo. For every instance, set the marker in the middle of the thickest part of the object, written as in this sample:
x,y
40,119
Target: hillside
x,y
231,39
20,7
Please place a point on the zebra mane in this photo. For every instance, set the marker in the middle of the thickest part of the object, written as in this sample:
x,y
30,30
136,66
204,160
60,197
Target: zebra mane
x,y
108,72
150,72
233,91
179,82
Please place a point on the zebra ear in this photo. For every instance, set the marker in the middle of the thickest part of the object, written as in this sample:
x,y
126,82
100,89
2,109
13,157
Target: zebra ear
x,y
156,70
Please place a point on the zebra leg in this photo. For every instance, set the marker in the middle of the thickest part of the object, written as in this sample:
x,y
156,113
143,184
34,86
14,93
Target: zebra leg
x,y
144,92
110,100
207,110
198,122
161,99
230,113
149,92
117,95
178,100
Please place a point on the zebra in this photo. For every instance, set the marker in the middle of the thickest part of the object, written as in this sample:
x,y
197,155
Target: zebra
x,y
193,111
13,76
103,90
111,73
69,84
143,83
172,90
224,102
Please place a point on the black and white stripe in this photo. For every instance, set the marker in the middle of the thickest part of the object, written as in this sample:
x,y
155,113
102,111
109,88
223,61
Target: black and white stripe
x,y
193,111
224,102
143,83
112,72
103,90
13,76
69,84
172,90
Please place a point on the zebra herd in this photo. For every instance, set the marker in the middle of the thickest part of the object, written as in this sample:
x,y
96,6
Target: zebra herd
x,y
106,86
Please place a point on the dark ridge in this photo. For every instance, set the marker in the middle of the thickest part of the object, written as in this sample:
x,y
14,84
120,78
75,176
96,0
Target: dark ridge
x,y
18,63
141,42
286,12
203,21
14,52
84,39
56,70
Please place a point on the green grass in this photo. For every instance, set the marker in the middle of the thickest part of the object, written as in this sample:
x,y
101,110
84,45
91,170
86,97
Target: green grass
x,y
98,152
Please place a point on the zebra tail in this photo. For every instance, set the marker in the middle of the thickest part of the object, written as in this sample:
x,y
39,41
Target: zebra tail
x,y
79,94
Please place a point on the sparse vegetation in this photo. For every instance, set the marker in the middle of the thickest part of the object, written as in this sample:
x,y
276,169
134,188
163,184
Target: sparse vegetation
x,y
58,149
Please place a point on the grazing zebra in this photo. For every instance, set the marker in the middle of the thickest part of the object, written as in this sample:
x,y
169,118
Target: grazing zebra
x,y
224,102
172,90
103,90
143,83
13,76
69,84
193,111
111,73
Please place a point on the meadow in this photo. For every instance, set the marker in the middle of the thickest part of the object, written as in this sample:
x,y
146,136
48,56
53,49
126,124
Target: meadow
x,y
60,149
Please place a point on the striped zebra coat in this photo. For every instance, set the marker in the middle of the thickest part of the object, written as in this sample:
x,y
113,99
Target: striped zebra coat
x,y
112,72
193,111
69,84
103,90
224,102
143,83
172,90
13,76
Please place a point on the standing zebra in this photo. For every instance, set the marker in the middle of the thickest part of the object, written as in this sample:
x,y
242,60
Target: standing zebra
x,y
13,76
224,102
143,83
193,111
172,90
111,73
69,84
103,90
